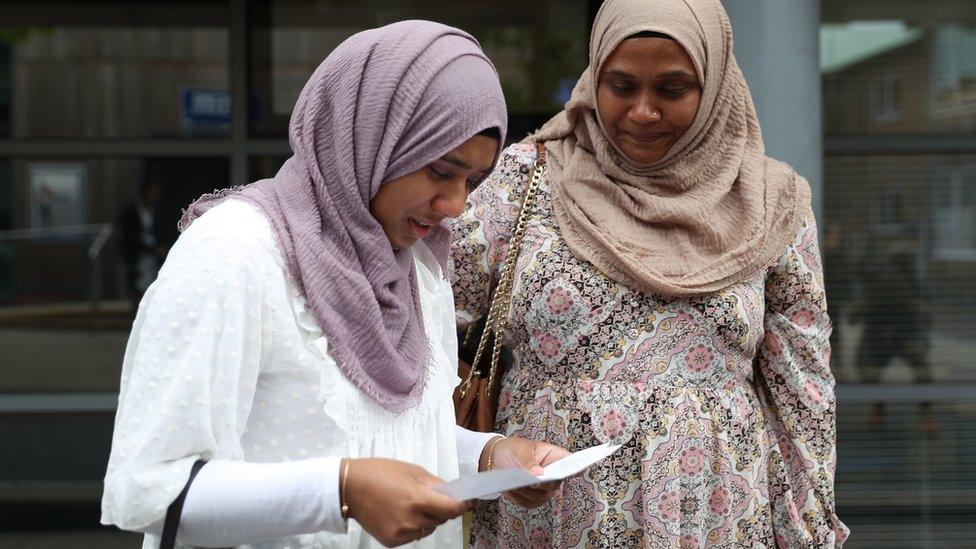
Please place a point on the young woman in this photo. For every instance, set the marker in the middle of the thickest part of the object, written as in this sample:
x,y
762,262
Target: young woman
x,y
300,337
668,297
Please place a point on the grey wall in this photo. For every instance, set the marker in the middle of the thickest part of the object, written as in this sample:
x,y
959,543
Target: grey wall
x,y
777,44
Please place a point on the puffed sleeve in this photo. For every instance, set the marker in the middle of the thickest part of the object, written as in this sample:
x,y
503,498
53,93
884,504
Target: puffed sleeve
x,y
797,388
482,233
189,372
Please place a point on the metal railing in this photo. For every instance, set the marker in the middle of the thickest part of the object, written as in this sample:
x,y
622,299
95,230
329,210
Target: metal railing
x,y
101,232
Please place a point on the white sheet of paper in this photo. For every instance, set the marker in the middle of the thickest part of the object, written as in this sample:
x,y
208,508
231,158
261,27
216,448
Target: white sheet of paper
x,y
577,462
502,480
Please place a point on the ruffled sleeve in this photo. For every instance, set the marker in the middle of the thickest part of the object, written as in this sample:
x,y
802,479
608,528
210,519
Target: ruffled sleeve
x,y
483,232
190,369
797,389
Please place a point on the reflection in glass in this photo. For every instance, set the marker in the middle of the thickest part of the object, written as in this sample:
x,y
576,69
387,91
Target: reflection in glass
x,y
75,257
263,167
899,260
133,76
539,52
897,69
906,480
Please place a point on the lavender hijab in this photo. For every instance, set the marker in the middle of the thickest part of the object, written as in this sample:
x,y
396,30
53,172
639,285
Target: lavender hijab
x,y
383,104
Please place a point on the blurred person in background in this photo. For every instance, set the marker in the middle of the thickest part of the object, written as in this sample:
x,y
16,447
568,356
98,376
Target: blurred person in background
x,y
668,297
141,244
895,324
297,350
838,284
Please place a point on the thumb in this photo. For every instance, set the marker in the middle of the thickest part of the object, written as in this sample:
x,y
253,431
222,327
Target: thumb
x,y
524,456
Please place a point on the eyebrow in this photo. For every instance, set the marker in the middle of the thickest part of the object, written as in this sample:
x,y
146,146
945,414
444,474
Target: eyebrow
x,y
670,74
677,74
456,161
451,159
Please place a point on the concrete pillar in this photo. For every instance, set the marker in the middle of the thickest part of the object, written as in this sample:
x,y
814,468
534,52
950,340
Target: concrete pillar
x,y
777,44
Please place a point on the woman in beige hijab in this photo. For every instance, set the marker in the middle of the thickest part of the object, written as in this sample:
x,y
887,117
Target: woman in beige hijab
x,y
668,297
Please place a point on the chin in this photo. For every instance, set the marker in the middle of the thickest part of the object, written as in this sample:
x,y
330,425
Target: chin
x,y
640,155
643,157
399,242
407,242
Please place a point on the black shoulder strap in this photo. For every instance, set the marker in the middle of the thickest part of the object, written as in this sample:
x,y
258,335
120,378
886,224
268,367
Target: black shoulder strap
x,y
172,523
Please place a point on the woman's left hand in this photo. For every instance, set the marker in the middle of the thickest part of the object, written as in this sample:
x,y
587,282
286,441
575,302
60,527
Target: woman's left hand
x,y
529,455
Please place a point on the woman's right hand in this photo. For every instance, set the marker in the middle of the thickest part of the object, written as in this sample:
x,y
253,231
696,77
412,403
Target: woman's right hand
x,y
392,500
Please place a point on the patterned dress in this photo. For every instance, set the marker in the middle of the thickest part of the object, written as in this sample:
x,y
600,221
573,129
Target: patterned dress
x,y
724,403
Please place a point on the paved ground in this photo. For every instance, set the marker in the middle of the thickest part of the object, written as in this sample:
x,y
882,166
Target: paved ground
x,y
106,538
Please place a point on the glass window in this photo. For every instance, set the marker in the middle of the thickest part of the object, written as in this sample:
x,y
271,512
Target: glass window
x,y
900,278
899,252
263,167
892,67
539,52
75,252
905,474
147,69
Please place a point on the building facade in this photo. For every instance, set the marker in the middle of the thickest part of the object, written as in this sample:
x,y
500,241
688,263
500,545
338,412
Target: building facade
x,y
104,103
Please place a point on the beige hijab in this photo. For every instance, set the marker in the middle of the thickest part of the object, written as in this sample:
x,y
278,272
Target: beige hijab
x,y
714,210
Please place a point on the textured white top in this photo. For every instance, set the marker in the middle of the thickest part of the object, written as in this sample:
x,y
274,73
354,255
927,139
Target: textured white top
x,y
225,362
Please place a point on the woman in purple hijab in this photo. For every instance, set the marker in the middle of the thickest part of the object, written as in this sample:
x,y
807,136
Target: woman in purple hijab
x,y
293,364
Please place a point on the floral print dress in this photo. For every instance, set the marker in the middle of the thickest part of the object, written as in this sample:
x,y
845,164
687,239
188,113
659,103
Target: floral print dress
x,y
724,403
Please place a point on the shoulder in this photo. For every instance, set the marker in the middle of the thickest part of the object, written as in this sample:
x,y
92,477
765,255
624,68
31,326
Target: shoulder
x,y
231,218
521,153
232,233
514,167
514,157
788,187
233,222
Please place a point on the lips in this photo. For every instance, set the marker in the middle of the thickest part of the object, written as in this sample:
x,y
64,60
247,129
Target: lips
x,y
419,228
647,137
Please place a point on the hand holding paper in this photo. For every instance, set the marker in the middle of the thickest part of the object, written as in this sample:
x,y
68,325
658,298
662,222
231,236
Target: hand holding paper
x,y
577,462
513,478
527,455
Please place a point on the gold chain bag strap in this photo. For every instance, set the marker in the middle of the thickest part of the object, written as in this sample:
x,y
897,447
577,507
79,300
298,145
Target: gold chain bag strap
x,y
476,398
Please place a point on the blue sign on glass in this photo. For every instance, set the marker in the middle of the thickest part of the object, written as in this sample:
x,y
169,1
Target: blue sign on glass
x,y
205,106
205,110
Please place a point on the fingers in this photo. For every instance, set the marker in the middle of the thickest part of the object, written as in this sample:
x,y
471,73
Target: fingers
x,y
539,493
518,498
523,453
533,455
434,505
424,532
438,507
406,536
546,453
548,487
422,524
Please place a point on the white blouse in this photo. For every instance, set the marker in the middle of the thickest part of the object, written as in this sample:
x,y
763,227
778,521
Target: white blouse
x,y
226,363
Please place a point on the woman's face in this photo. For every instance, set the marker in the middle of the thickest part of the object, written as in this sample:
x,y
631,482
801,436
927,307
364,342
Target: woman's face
x,y
408,207
647,96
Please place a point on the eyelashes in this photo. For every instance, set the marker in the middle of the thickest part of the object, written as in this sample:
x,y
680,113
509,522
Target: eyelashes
x,y
438,174
664,91
667,86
